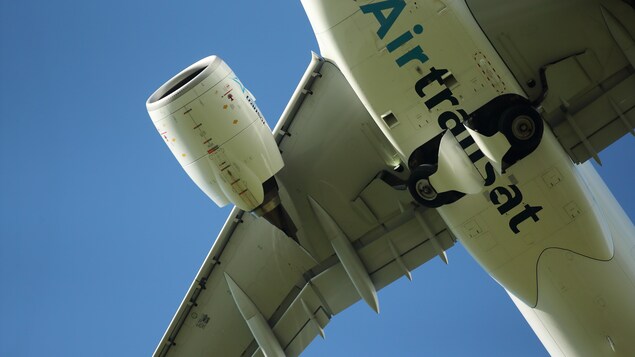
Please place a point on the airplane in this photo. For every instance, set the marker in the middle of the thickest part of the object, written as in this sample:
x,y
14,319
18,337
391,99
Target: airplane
x,y
420,124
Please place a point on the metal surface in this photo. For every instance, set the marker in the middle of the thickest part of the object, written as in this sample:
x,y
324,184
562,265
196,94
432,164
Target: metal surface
x,y
279,276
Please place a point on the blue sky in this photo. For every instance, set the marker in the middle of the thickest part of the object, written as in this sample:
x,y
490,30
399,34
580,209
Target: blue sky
x,y
102,231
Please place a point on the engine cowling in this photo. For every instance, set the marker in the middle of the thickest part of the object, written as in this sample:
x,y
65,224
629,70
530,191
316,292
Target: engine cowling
x,y
212,125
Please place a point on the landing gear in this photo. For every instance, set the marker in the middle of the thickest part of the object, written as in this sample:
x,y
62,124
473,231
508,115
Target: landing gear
x,y
505,130
424,193
523,127
514,117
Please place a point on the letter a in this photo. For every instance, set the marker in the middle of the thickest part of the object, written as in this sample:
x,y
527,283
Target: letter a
x,y
378,8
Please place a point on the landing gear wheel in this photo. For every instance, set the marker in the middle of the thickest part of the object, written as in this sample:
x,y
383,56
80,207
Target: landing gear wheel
x,y
423,192
523,127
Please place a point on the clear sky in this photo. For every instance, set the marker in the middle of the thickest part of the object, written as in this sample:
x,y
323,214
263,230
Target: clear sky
x,y
102,232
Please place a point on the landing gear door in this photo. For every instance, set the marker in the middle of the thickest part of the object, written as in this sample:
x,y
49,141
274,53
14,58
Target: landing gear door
x,y
455,171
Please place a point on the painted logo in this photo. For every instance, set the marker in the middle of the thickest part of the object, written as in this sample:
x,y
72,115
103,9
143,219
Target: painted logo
x,y
386,13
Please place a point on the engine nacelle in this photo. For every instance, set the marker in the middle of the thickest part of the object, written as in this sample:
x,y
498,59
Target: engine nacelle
x,y
212,125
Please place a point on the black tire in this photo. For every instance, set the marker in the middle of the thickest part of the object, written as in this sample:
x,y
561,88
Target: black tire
x,y
423,192
523,127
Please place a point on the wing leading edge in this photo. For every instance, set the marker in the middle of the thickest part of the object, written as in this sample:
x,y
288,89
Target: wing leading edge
x,y
259,290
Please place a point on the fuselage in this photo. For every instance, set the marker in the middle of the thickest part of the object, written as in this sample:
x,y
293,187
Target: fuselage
x,y
547,230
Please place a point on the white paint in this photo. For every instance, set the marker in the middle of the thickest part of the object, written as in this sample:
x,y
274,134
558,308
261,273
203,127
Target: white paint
x,y
215,130
568,267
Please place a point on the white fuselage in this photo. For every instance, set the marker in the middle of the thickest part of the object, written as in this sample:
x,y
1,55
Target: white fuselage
x,y
547,230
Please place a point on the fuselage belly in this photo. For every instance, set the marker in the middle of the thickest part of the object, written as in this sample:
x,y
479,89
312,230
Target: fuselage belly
x,y
547,230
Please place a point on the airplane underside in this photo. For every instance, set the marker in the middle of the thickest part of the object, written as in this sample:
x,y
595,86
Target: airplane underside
x,y
499,131
470,119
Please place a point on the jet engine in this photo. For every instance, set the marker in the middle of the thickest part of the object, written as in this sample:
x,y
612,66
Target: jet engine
x,y
212,125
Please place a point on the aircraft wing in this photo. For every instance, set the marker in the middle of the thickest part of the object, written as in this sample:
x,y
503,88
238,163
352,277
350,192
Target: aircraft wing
x,y
574,58
258,283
